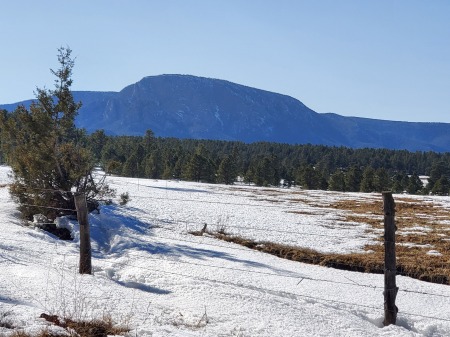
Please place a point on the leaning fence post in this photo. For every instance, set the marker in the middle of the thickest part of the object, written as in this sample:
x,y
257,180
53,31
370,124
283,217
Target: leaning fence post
x,y
85,236
390,268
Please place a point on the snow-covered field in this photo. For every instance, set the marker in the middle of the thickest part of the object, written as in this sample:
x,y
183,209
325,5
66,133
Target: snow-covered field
x,y
155,277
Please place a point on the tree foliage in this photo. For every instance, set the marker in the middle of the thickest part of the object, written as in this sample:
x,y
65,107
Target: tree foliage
x,y
308,166
45,150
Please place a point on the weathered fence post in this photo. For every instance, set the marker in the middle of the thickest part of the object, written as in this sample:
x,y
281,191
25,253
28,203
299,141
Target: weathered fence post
x,y
85,235
390,267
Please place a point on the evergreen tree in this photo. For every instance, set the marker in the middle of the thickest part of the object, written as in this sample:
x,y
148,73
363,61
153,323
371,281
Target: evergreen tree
x,y
306,177
353,179
113,167
441,186
131,166
381,180
405,181
367,181
96,142
249,176
153,165
439,169
45,151
200,166
172,158
337,182
227,171
140,158
310,178
149,141
414,184
398,185
266,172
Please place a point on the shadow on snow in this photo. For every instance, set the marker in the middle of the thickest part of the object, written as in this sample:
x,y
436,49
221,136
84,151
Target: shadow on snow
x,y
116,232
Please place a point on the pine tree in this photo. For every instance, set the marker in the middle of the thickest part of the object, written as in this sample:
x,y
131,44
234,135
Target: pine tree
x,y
414,184
200,167
381,180
43,148
227,171
398,185
131,166
311,178
353,179
267,172
153,165
367,181
337,182
441,186
439,170
96,143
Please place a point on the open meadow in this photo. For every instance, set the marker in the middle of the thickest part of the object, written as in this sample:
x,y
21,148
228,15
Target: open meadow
x,y
262,266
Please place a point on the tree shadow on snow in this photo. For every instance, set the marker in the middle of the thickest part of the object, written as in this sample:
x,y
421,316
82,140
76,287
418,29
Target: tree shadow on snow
x,y
115,232
144,287
179,189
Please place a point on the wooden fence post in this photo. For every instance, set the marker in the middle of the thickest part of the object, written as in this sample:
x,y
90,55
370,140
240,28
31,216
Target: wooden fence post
x,y
85,235
390,267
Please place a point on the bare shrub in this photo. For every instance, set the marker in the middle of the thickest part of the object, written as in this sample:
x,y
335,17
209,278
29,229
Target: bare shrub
x,y
124,198
89,328
5,320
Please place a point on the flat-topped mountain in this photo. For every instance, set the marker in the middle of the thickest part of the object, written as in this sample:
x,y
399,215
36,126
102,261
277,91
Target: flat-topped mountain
x,y
185,106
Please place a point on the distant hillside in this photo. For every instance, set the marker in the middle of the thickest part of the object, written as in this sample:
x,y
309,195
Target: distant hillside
x,y
184,106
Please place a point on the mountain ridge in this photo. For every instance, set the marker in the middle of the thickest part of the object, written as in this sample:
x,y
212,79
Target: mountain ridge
x,y
187,106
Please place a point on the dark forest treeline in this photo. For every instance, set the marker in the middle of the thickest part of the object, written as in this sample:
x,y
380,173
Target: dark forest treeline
x,y
266,164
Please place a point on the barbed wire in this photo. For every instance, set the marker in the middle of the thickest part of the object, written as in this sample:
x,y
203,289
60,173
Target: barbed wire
x,y
353,283
270,291
243,270
203,201
259,229
245,228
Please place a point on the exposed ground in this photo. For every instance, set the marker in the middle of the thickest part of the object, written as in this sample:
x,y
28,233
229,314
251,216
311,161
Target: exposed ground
x,y
422,237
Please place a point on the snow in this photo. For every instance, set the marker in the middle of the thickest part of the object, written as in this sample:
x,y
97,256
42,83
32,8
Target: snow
x,y
153,276
434,252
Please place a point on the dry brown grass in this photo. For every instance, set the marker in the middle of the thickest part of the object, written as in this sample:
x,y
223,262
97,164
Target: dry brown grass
x,y
94,328
420,230
412,263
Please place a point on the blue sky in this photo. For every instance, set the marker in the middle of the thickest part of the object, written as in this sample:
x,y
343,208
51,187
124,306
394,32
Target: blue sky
x,y
377,59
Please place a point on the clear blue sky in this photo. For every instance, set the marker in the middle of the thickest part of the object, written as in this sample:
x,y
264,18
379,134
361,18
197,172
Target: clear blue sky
x,y
370,58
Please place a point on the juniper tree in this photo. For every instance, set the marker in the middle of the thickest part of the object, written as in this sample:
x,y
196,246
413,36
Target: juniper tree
x,y
43,148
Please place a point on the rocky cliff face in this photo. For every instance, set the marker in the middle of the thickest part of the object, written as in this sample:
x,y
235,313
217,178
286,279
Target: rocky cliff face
x,y
186,106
